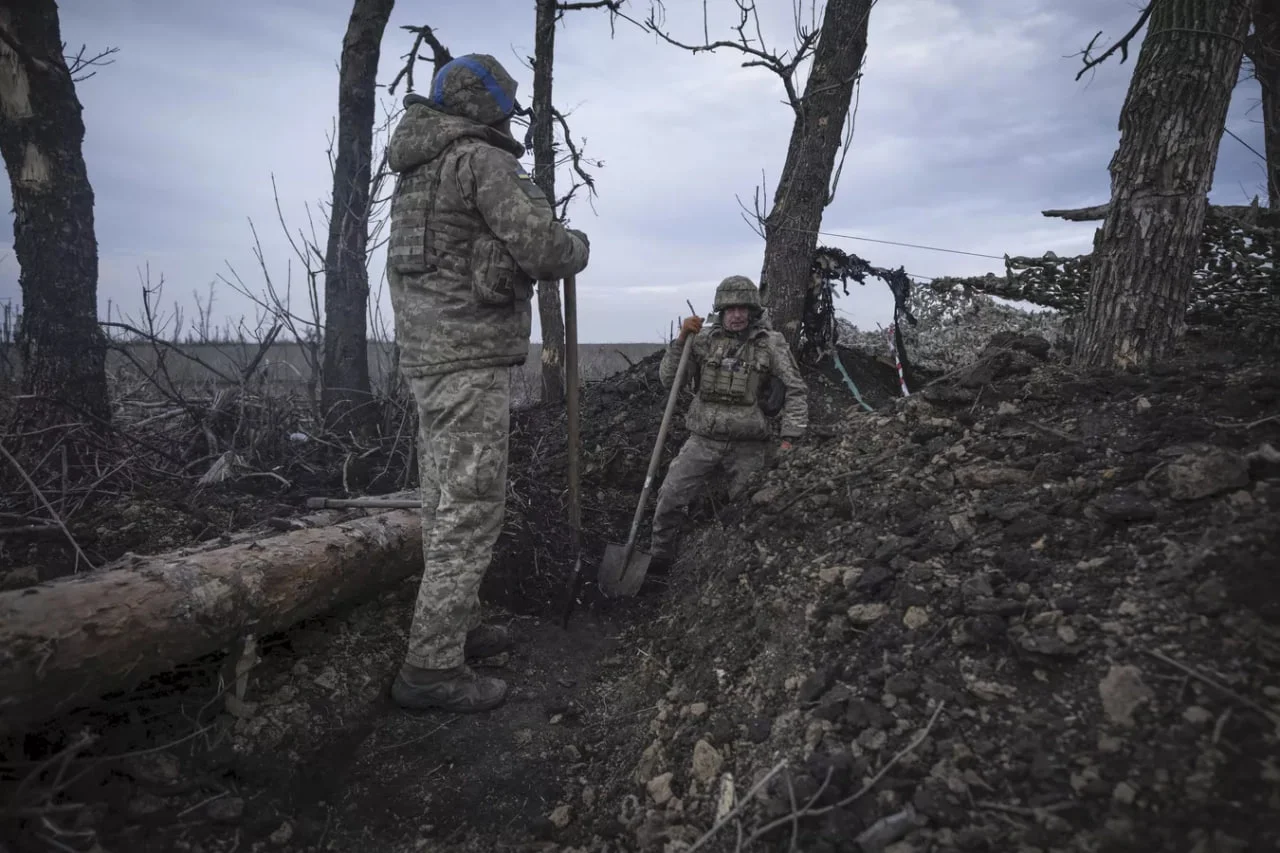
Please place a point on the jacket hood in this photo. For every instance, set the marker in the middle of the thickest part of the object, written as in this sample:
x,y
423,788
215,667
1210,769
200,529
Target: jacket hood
x,y
425,132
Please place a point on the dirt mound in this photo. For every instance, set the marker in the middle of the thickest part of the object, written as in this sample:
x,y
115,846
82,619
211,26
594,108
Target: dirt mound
x,y
620,420
1024,609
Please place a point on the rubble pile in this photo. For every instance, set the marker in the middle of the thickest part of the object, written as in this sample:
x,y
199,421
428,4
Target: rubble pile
x,y
1024,609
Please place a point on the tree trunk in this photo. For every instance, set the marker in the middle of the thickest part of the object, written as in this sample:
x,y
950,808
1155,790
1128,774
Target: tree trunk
x,y
1264,52
67,642
1170,126
345,393
803,190
544,174
62,348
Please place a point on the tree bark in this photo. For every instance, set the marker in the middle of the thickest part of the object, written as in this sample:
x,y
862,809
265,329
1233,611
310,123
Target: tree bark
x,y
67,642
1264,51
61,346
1170,127
345,391
544,175
803,190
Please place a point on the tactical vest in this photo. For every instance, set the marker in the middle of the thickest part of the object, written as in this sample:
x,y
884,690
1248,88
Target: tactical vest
x,y
426,239
733,372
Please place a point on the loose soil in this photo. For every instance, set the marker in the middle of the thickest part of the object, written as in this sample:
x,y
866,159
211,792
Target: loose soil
x,y
1024,609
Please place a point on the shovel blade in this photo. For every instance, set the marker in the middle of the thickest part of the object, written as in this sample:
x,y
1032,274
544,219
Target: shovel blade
x,y
622,573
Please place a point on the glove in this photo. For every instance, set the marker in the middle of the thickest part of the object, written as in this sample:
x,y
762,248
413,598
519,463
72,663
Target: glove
x,y
581,236
690,326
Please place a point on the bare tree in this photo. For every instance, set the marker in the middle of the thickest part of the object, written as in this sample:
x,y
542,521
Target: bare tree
x,y
345,391
822,128
1170,128
542,118
63,350
1263,50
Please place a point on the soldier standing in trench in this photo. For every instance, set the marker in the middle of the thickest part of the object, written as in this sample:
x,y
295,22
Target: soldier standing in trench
x,y
733,362
470,233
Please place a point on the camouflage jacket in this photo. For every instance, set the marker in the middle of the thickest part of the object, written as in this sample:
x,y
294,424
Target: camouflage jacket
x,y
730,372
470,233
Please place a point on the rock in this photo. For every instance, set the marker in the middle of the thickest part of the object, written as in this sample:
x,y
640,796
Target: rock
x,y
154,769
1200,475
225,810
659,788
990,476
874,578
145,804
707,762
1210,597
902,684
1122,691
561,816
1125,506
1124,793
767,496
283,835
1197,716
915,618
812,688
698,710
865,614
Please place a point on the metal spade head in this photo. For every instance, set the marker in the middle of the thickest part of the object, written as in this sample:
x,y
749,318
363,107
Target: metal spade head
x,y
622,570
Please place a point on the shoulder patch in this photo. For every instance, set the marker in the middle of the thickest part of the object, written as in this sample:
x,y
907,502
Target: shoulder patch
x,y
532,190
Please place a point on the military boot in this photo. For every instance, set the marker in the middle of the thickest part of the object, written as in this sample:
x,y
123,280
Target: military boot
x,y
487,641
459,690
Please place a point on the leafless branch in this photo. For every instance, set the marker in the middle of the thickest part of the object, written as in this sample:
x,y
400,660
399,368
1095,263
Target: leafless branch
x,y
1122,45
751,44
440,55
78,63
810,811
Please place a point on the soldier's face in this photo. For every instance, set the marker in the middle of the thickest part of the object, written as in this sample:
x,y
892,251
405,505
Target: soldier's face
x,y
736,317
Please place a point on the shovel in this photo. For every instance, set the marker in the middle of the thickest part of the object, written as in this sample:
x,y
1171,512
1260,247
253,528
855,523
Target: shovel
x,y
571,406
623,568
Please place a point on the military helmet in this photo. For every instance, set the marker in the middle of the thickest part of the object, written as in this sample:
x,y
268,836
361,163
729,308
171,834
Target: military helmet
x,y
475,86
737,290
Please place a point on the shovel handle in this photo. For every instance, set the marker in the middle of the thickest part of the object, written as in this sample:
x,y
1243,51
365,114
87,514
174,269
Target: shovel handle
x,y
656,456
572,412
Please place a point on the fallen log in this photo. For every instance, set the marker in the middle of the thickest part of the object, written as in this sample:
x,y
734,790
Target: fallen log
x,y
64,643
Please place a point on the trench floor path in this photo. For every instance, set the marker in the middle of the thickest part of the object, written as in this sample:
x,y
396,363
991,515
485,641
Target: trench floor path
x,y
320,758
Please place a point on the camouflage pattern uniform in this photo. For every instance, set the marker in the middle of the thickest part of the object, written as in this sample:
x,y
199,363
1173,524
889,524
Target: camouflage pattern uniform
x,y
470,233
730,433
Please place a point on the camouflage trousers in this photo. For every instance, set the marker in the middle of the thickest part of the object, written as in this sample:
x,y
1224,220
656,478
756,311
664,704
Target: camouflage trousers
x,y
698,460
464,424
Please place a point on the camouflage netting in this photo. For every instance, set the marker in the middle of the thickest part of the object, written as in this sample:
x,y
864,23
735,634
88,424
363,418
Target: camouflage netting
x,y
1236,278
955,323
1236,286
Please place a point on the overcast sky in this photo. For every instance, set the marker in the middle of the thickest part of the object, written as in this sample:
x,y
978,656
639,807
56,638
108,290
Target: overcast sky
x,y
969,123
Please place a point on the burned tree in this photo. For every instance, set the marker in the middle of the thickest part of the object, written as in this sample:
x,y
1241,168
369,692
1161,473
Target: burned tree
x,y
63,351
822,128
542,138
1263,49
1170,127
345,390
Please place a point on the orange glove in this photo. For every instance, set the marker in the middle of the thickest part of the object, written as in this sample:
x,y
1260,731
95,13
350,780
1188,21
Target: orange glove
x,y
690,326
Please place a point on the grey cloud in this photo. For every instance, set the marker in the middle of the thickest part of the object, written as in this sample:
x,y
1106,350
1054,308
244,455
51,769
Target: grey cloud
x,y
969,124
